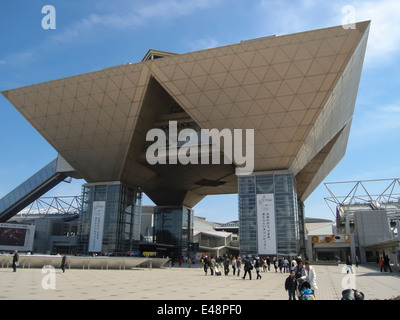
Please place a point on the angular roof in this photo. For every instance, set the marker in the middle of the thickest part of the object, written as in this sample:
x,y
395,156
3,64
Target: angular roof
x,y
296,91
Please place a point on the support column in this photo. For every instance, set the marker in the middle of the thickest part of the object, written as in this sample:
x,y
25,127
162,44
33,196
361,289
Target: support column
x,y
173,227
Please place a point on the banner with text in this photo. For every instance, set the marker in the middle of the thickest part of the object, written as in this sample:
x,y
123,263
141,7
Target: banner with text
x,y
97,226
266,224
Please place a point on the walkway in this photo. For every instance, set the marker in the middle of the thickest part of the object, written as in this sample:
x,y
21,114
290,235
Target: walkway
x,y
183,284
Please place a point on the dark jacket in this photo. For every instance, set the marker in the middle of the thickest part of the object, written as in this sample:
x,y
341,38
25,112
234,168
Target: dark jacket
x,y
290,283
247,265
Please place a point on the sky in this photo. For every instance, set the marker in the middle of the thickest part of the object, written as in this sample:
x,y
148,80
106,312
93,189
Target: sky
x,y
91,35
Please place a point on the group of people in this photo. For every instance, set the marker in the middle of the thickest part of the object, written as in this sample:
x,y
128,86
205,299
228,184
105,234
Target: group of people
x,y
15,261
384,263
302,272
299,270
237,264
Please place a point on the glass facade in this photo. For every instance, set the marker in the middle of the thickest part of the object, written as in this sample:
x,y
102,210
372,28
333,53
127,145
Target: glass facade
x,y
174,226
287,224
122,217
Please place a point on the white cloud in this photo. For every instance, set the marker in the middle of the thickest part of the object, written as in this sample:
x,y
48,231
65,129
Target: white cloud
x,y
18,58
118,17
384,38
133,16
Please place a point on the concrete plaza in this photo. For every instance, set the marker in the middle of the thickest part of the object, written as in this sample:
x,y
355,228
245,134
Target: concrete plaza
x,y
183,283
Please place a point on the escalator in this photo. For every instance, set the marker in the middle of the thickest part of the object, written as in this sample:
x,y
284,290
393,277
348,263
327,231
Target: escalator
x,y
30,190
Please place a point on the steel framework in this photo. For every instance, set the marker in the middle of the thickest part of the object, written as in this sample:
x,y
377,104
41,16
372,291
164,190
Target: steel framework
x,y
388,199
66,205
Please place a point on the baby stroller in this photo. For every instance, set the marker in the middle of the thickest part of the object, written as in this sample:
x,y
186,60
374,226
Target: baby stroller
x,y
304,291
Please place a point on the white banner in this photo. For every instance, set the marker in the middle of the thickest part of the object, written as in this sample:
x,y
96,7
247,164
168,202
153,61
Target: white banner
x,y
97,226
266,224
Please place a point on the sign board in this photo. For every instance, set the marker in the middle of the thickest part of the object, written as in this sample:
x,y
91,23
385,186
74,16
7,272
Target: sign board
x,y
266,231
16,236
331,238
149,254
97,226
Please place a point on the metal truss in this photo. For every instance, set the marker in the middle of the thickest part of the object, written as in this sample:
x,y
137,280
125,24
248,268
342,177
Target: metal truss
x,y
68,205
388,199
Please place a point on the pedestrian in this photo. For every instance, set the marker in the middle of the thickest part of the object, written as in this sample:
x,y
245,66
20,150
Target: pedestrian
x,y
15,261
234,265
349,265
293,264
257,265
291,284
180,260
268,263
206,265
212,265
226,266
387,263
239,265
247,267
263,265
310,276
357,261
299,270
285,265
276,264
382,264
280,264
63,262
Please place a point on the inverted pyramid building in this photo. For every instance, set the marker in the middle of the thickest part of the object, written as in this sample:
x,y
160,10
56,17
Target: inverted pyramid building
x,y
297,92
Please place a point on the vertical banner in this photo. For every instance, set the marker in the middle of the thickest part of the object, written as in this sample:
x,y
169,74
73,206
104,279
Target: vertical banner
x,y
266,224
96,227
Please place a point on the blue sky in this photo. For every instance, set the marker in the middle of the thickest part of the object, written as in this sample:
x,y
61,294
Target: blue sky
x,y
92,35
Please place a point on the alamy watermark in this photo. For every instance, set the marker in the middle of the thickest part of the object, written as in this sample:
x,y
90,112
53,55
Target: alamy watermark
x,y
349,18
192,147
349,280
49,20
49,280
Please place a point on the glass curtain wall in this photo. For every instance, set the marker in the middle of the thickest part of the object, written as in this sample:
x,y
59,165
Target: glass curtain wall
x,y
122,218
173,226
282,185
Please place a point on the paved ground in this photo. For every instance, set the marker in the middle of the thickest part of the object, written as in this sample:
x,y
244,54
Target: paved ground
x,y
184,284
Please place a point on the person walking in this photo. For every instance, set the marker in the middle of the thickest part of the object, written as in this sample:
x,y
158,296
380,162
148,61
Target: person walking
x,y
247,267
280,264
206,264
257,265
268,261
293,264
63,262
349,265
239,265
382,264
310,276
234,265
212,265
290,285
226,265
285,265
299,270
386,261
275,261
15,261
